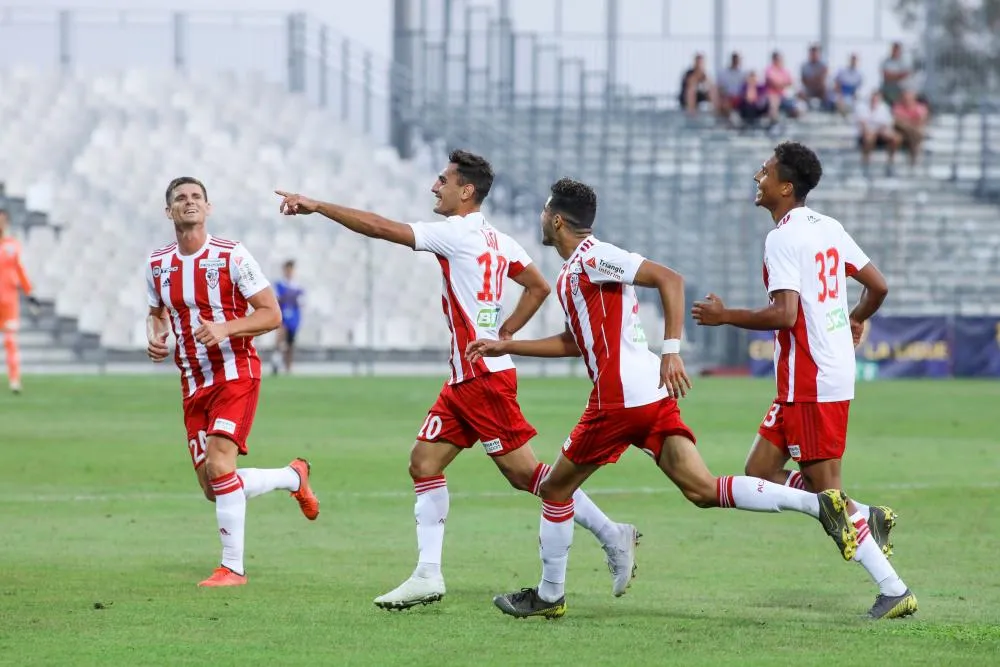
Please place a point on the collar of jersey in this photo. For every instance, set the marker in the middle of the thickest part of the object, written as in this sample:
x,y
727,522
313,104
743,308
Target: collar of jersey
x,y
475,218
208,239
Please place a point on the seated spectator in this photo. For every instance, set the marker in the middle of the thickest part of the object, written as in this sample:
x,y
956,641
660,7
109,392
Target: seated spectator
x,y
754,102
876,129
895,72
846,85
813,73
730,88
910,116
696,88
778,81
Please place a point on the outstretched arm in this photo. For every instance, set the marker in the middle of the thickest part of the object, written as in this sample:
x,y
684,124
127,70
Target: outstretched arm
x,y
560,345
361,222
536,290
781,313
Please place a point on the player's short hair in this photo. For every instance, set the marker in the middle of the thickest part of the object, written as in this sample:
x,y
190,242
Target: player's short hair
x,y
4,212
474,169
289,264
798,165
575,201
185,180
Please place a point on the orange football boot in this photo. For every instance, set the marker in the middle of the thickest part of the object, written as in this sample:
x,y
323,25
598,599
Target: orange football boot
x,y
308,502
223,576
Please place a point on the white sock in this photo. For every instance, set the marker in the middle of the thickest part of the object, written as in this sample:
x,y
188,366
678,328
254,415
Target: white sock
x,y
864,509
431,510
795,480
231,513
258,481
555,537
874,561
758,495
586,512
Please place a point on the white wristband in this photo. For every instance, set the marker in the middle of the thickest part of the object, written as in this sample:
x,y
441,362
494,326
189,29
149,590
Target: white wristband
x,y
671,346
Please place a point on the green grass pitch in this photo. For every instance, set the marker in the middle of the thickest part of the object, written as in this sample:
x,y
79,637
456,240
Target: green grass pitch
x,y
105,534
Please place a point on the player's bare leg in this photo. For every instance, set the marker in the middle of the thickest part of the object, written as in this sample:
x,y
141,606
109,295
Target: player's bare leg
x,y
279,352
428,461
894,598
768,461
619,540
555,536
230,510
289,355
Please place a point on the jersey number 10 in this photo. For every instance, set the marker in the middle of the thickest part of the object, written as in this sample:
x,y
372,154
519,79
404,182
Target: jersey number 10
x,y
492,283
827,264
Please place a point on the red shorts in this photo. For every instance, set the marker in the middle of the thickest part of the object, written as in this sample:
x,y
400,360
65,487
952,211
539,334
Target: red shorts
x,y
601,436
485,409
807,431
226,409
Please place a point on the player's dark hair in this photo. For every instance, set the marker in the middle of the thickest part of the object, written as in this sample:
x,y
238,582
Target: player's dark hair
x,y
798,165
474,169
575,201
185,180
289,264
4,211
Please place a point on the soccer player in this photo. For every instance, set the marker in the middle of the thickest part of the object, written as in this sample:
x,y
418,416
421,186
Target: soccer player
x,y
634,397
479,400
290,295
202,287
807,258
13,279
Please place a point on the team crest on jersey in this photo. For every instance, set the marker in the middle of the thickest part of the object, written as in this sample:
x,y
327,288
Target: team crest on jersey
x,y
212,276
574,283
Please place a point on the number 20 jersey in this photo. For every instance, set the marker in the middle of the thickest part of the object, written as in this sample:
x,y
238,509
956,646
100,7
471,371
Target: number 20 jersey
x,y
813,254
476,259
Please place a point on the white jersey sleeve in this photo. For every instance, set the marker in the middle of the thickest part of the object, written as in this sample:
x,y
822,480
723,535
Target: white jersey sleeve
x,y
781,259
246,272
152,296
608,263
853,256
517,258
439,238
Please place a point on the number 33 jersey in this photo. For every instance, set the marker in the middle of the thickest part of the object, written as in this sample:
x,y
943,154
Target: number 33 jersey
x,y
813,254
476,260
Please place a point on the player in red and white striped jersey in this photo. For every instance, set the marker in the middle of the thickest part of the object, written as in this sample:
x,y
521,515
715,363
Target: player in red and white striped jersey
x,y
634,397
203,288
807,260
479,400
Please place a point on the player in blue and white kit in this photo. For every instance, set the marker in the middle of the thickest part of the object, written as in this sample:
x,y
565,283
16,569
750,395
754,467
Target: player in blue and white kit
x,y
290,296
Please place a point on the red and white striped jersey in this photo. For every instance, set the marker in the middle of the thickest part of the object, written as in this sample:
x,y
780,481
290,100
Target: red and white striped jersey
x,y
813,254
214,283
476,259
602,312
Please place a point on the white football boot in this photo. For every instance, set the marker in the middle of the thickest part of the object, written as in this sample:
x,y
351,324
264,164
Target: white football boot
x,y
621,558
415,590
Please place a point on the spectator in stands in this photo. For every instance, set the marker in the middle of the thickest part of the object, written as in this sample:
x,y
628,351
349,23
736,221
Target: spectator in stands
x,y
846,85
730,89
755,103
895,72
696,87
876,129
910,116
814,87
778,81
